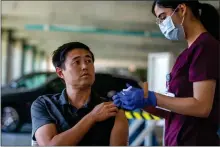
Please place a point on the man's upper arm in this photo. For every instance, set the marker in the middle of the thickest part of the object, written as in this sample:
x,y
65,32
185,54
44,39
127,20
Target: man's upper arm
x,y
45,133
39,116
119,134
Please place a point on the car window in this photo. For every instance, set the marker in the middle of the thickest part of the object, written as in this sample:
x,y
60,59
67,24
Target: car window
x,y
56,86
34,81
107,86
122,82
103,84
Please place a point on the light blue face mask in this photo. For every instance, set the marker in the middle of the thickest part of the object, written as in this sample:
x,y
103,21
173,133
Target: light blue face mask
x,y
172,31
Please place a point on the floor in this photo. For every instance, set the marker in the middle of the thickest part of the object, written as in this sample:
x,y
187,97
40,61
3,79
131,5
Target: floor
x,y
15,139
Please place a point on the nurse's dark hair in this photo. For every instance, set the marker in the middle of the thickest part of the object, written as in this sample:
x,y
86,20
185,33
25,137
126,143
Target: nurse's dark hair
x,y
209,16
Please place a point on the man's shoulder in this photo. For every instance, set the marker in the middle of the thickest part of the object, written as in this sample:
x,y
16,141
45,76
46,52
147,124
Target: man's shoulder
x,y
47,99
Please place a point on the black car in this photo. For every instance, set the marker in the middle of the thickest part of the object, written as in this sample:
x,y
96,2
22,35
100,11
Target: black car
x,y
17,97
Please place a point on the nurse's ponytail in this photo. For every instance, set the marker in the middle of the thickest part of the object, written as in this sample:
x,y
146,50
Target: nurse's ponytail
x,y
209,17
206,13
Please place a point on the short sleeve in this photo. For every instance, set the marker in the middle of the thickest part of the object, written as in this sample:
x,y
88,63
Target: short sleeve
x,y
39,116
205,63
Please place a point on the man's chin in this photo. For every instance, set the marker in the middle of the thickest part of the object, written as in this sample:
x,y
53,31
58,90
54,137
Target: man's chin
x,y
86,84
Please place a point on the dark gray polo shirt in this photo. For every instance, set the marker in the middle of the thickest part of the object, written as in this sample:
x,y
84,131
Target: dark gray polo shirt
x,y
56,109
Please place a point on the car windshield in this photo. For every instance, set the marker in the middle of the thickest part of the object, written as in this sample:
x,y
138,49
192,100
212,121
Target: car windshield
x,y
34,80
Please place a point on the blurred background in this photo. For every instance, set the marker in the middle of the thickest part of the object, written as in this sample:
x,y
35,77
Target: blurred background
x,y
127,44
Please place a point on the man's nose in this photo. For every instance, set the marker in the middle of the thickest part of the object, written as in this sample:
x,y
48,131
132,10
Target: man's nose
x,y
84,65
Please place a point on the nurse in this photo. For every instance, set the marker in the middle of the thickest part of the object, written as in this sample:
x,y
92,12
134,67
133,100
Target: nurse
x,y
193,84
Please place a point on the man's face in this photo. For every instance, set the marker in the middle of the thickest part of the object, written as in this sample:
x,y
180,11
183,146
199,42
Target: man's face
x,y
79,69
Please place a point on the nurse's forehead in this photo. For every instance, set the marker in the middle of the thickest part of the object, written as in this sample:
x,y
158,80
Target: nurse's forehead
x,y
161,10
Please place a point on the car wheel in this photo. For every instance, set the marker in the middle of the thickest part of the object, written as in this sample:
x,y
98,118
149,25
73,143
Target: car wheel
x,y
10,119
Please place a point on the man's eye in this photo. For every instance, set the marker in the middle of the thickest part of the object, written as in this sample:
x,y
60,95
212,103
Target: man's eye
x,y
89,61
76,62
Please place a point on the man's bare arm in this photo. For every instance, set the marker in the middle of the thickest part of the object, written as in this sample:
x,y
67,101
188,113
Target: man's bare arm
x,y
119,134
47,134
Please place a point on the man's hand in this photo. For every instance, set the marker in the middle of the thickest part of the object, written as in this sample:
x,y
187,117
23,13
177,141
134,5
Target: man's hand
x,y
103,111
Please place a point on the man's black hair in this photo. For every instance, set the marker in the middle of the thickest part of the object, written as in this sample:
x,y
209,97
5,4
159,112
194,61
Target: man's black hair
x,y
59,55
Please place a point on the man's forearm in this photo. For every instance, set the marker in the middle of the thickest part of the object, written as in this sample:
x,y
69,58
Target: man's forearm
x,y
157,112
74,135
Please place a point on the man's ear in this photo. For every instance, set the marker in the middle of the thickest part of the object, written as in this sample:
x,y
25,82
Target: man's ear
x,y
59,72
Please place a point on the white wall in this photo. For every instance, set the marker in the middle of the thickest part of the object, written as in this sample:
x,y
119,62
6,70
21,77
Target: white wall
x,y
159,65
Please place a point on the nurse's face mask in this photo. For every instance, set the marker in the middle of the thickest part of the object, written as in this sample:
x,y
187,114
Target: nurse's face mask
x,y
170,30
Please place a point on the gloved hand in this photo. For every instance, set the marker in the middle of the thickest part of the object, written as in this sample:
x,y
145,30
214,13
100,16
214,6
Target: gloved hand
x,y
133,98
116,99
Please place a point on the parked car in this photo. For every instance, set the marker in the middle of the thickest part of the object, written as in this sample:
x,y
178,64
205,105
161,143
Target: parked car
x,y
18,95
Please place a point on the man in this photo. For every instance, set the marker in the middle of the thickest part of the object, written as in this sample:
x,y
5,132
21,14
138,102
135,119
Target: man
x,y
77,116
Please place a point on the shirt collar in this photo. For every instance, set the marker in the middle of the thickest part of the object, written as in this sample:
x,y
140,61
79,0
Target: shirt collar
x,y
64,99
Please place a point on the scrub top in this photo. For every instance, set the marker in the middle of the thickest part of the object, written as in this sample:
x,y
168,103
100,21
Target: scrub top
x,y
199,62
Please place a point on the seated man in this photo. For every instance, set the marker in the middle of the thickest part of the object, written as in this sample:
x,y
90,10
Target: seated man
x,y
77,116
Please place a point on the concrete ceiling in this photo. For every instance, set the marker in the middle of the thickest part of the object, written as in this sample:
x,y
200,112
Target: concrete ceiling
x,y
109,15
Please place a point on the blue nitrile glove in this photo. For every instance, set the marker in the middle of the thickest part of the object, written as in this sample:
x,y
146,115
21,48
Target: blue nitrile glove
x,y
116,99
133,98
117,96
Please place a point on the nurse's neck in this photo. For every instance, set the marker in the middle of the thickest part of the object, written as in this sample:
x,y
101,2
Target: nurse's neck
x,y
193,30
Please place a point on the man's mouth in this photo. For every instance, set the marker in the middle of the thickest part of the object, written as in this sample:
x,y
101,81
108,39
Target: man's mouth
x,y
85,75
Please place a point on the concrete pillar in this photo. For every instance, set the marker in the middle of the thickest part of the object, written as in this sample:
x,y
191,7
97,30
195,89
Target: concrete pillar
x,y
16,60
4,56
24,43
9,55
34,69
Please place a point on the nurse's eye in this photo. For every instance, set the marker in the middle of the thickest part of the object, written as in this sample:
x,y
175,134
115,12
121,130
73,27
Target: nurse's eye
x,y
161,18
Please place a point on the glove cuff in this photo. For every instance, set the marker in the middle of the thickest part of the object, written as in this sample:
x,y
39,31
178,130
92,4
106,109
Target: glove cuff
x,y
151,100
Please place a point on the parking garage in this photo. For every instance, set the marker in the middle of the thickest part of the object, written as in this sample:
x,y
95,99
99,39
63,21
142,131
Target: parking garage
x,y
127,44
